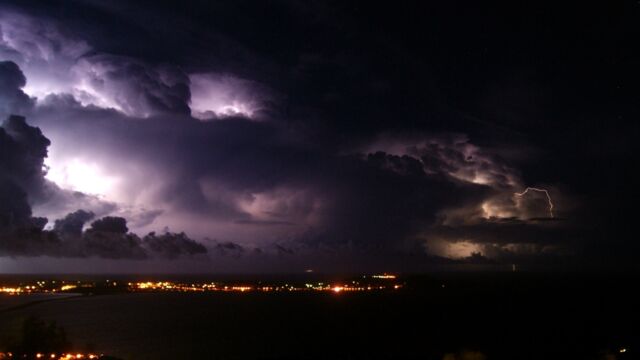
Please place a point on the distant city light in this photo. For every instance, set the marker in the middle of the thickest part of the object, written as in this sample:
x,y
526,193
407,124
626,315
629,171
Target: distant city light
x,y
375,283
384,276
64,356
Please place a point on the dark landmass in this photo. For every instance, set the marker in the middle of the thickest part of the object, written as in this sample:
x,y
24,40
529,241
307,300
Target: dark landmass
x,y
442,316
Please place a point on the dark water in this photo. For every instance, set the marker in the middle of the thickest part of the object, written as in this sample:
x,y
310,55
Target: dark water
x,y
504,316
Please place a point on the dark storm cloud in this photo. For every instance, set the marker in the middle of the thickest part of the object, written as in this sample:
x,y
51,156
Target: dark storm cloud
x,y
109,238
171,245
451,155
229,248
110,224
12,99
368,202
201,166
72,224
23,149
136,88
376,208
24,152
384,128
14,208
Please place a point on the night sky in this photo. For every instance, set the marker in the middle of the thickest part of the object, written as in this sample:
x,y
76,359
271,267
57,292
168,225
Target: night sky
x,y
253,136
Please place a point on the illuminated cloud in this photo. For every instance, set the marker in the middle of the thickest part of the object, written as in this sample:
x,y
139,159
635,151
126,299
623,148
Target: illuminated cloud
x,y
56,63
324,153
453,249
217,96
80,176
131,86
23,184
488,226
452,155
42,50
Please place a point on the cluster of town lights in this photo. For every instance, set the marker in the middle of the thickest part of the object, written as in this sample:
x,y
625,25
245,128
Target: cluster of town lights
x,y
40,287
178,287
367,283
43,356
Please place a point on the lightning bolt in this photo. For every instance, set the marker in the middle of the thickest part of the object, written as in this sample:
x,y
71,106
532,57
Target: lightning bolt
x,y
538,190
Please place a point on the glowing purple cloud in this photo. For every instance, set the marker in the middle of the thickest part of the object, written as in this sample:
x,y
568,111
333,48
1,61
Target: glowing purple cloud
x,y
216,96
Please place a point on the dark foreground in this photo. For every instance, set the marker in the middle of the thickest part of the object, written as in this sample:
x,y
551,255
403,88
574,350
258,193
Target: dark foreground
x,y
464,316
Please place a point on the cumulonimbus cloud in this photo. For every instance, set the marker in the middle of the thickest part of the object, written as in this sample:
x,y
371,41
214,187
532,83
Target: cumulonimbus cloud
x,y
252,184
22,182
